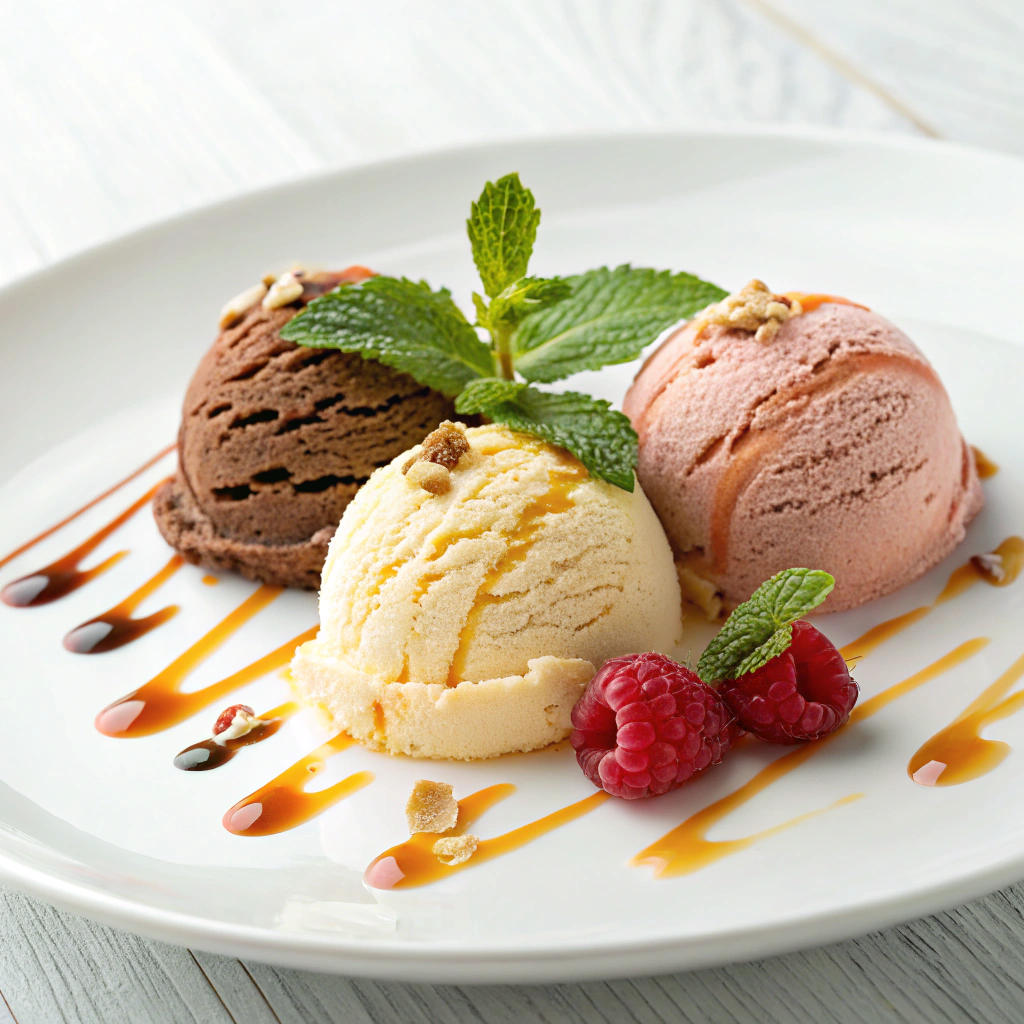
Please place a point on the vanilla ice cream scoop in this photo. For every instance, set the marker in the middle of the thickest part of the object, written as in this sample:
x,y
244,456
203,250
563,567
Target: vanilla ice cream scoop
x,y
462,618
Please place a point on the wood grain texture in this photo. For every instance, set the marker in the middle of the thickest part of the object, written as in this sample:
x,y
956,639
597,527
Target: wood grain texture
x,y
955,64
130,112
963,966
120,113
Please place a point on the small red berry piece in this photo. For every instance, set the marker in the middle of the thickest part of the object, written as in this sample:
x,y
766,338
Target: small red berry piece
x,y
804,693
235,721
645,725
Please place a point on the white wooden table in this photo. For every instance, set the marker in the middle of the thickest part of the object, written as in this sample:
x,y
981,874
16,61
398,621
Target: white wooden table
x,y
116,113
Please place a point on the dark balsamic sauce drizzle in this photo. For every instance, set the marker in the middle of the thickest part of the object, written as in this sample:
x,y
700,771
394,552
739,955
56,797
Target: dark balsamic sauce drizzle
x,y
115,627
209,754
60,578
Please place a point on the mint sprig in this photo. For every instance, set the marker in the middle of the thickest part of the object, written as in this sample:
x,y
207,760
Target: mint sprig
x,y
610,316
762,627
602,439
400,323
540,329
502,227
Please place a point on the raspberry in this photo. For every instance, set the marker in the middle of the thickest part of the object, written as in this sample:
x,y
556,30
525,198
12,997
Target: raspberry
x,y
646,725
802,694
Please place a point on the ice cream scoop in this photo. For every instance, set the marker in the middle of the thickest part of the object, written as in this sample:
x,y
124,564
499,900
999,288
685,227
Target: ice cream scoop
x,y
464,622
831,443
276,439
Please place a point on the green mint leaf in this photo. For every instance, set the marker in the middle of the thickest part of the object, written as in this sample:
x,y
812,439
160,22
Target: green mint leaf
x,y
603,440
761,628
772,647
525,296
502,227
480,395
610,316
400,323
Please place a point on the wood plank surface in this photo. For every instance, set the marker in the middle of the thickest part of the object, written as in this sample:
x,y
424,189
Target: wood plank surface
x,y
119,113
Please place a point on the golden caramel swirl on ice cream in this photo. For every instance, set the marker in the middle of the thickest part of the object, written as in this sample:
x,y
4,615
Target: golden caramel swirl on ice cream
x,y
465,624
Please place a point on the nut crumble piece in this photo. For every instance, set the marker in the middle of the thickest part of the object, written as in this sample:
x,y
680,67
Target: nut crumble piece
x,y
431,807
444,446
455,849
699,591
430,476
753,308
990,565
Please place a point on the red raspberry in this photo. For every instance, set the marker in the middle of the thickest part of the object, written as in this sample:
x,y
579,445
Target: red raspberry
x,y
646,725
802,694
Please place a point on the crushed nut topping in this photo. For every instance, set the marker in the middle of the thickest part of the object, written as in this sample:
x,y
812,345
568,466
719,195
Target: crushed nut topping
x,y
285,290
430,476
699,591
753,308
454,850
443,447
991,565
234,722
431,807
237,307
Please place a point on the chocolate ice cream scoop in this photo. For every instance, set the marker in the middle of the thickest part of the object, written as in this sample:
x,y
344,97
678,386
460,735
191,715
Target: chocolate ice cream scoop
x,y
275,441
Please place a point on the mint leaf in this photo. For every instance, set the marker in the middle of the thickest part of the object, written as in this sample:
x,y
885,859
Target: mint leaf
x,y
761,628
523,297
502,227
603,440
480,395
400,323
609,317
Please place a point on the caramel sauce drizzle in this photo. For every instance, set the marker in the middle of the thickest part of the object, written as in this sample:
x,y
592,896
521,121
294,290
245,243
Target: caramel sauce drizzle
x,y
160,703
60,578
413,863
1011,555
959,753
809,301
687,849
49,531
557,498
212,753
211,581
283,803
985,466
115,627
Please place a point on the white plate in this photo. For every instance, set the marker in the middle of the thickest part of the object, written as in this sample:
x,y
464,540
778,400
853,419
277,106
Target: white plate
x,y
97,352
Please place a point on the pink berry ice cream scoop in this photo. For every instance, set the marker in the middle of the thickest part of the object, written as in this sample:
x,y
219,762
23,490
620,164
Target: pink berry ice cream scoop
x,y
774,434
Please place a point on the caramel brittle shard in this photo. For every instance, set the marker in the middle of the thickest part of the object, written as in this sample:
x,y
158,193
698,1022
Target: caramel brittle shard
x,y
753,308
444,446
700,591
454,850
431,807
430,476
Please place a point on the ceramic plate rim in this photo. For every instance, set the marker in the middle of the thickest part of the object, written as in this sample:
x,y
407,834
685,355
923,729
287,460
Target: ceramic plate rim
x,y
595,957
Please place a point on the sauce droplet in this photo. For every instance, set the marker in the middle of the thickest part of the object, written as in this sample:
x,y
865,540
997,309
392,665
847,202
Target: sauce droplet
x,y
985,466
959,753
211,581
283,803
687,849
1010,555
211,753
160,703
49,531
115,627
60,578
414,863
